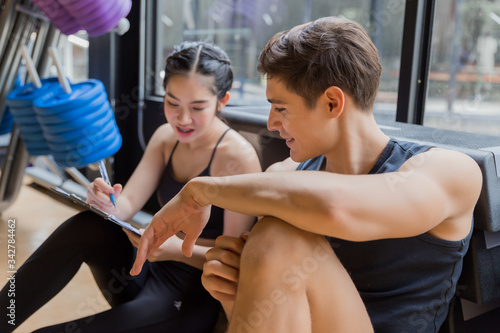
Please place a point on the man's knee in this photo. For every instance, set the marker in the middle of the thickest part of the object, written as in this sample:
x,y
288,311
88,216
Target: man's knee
x,y
275,245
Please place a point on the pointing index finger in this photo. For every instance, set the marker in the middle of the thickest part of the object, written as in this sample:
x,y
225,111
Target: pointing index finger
x,y
141,255
150,240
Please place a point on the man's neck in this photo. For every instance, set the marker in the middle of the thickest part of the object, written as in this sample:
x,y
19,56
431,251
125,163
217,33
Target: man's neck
x,y
360,144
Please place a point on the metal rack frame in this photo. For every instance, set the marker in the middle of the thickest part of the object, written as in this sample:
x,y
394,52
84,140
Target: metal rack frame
x,y
19,27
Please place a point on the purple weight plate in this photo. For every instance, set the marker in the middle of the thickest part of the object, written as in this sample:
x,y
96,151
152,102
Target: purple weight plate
x,y
93,11
79,5
110,20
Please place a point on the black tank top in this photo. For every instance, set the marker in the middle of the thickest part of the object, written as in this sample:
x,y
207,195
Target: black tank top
x,y
406,283
169,187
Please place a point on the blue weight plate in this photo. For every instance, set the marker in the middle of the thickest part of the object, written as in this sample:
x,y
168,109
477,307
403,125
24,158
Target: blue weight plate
x,y
37,148
34,142
27,122
74,159
91,97
32,129
23,96
7,122
110,150
78,124
82,93
33,136
88,142
71,137
25,111
88,145
98,106
38,152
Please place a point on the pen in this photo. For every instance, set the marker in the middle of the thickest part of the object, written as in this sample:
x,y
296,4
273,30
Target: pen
x,y
104,175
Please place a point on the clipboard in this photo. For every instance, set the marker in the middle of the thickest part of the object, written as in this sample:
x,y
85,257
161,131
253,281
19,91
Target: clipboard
x,y
82,203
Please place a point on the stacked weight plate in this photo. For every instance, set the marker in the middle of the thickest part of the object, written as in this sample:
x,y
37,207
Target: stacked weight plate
x,y
20,103
6,123
79,127
58,15
95,16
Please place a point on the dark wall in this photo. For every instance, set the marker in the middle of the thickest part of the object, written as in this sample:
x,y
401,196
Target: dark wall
x,y
114,60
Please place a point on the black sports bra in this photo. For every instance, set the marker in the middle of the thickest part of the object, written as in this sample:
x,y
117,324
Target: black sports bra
x,y
169,187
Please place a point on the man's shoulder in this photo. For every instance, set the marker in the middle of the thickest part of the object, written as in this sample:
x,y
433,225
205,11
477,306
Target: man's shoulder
x,y
285,165
442,159
458,173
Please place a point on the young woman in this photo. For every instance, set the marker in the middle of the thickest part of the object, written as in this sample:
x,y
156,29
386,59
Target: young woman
x,y
168,295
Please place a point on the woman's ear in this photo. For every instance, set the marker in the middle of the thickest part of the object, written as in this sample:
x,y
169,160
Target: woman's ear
x,y
223,101
336,101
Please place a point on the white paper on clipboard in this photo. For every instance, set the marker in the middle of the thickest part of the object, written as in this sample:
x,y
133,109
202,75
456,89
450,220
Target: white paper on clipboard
x,y
82,203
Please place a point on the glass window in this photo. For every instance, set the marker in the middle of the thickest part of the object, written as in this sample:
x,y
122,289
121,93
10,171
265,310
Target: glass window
x,y
464,79
243,27
76,54
74,51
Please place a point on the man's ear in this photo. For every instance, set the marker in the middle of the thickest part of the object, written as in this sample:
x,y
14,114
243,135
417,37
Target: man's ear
x,y
223,101
335,98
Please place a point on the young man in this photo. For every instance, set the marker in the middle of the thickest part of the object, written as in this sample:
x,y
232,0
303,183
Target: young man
x,y
397,216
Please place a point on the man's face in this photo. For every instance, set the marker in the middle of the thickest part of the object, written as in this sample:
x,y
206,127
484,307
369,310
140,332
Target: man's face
x,y
301,127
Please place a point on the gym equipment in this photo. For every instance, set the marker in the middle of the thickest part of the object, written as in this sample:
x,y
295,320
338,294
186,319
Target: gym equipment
x,y
97,17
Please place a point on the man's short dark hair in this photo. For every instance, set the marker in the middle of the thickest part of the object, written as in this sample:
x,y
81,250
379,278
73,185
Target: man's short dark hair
x,y
327,52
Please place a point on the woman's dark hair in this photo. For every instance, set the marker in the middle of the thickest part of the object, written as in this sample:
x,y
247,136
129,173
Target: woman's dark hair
x,y
327,52
203,58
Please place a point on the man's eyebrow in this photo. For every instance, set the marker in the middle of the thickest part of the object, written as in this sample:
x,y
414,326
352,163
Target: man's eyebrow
x,y
275,101
194,102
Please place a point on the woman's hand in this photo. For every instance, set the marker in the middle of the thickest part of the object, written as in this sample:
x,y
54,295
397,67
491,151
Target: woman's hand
x,y
98,195
222,269
169,250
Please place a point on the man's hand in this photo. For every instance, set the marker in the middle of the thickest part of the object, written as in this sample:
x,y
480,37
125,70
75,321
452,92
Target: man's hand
x,y
182,213
170,250
222,268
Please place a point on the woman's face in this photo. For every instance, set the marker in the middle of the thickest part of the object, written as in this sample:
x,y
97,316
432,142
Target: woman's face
x,y
190,106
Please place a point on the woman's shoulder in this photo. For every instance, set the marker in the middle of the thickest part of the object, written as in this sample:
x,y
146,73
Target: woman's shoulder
x,y
162,141
163,134
235,145
234,155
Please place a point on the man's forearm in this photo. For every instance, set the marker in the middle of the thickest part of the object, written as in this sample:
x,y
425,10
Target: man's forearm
x,y
278,194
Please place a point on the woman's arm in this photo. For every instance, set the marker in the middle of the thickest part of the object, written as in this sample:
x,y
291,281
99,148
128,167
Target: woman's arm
x,y
142,183
235,156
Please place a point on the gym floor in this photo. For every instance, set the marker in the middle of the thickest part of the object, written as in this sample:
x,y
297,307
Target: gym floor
x,y
36,216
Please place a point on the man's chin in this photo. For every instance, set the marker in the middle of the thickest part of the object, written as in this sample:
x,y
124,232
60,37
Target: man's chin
x,y
297,157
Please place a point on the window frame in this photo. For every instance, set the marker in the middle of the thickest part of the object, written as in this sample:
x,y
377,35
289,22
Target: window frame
x,y
415,61
414,66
